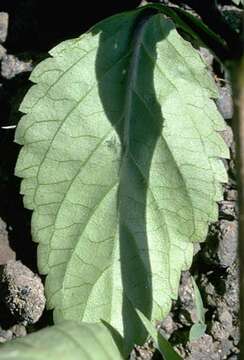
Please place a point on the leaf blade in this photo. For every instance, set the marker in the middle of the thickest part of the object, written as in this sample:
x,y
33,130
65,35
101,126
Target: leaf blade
x,y
103,188
160,342
68,341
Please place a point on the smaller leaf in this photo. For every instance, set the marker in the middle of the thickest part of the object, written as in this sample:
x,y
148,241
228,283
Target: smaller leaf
x,y
161,343
66,341
197,330
199,303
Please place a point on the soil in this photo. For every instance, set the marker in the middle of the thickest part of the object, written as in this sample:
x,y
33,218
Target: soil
x,y
28,28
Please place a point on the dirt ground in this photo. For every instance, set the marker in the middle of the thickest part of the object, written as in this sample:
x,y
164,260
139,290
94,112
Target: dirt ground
x,y
29,28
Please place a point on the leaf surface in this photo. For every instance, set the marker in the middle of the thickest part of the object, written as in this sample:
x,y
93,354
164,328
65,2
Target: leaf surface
x,y
198,303
120,163
197,330
66,341
238,2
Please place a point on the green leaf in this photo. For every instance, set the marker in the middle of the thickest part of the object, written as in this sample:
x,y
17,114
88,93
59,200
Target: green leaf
x,y
120,163
238,2
197,330
196,28
198,302
160,342
66,341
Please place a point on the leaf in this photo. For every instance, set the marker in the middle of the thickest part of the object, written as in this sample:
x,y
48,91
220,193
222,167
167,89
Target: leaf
x,y
65,341
197,330
161,343
196,28
120,163
199,303
238,2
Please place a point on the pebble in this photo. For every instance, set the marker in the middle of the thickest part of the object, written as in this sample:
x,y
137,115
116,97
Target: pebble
x,y
202,349
6,253
23,292
168,326
18,330
5,335
12,66
227,210
3,26
227,135
224,102
2,51
228,237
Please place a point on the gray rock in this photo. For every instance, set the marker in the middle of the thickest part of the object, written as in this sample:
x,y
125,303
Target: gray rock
x,y
5,335
188,312
23,292
227,135
228,210
231,194
3,26
168,326
218,331
18,330
225,348
236,335
2,51
6,253
12,66
231,295
227,249
224,102
142,352
221,247
225,318
202,349
186,290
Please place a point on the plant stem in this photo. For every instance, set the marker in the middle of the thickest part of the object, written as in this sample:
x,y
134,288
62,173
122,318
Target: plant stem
x,y
237,73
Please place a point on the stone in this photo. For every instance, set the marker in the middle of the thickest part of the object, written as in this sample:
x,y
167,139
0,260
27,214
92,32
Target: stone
x,y
12,66
3,26
18,330
231,295
227,135
218,331
231,195
5,335
22,292
188,313
227,210
224,102
168,326
2,51
6,253
228,241
202,349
